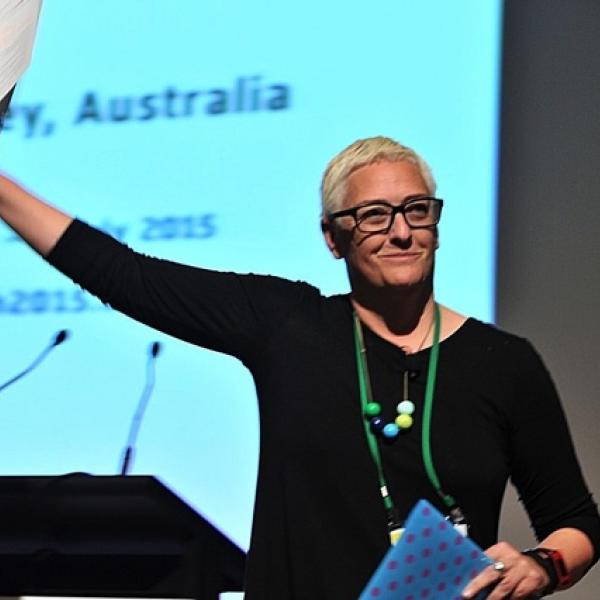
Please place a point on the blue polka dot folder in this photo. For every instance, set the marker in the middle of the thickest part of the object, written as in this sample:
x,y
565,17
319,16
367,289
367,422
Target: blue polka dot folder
x,y
432,561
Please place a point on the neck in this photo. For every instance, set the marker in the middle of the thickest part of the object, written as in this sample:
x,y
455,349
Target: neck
x,y
401,316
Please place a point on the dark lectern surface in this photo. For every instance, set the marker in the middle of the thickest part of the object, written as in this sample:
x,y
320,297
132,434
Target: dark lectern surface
x,y
84,535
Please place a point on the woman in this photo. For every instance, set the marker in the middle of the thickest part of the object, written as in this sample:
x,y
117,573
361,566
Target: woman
x,y
368,401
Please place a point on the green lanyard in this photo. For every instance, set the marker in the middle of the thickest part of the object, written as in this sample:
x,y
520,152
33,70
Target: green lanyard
x,y
366,396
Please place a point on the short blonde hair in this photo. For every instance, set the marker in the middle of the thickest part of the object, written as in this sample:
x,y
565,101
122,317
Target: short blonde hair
x,y
362,153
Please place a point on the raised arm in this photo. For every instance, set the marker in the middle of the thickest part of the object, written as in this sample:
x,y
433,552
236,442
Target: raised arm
x,y
222,311
38,223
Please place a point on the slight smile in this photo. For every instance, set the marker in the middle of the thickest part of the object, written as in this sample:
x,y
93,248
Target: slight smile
x,y
402,256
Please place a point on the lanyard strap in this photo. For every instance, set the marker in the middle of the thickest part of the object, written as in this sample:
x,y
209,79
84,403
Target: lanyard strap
x,y
432,368
366,396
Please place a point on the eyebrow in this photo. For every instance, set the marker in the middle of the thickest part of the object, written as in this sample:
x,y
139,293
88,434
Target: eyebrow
x,y
384,201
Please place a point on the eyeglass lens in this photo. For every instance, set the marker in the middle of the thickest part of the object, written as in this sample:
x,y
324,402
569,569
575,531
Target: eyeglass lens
x,y
417,213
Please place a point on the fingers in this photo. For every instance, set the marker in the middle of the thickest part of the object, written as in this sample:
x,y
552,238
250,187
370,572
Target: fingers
x,y
511,576
489,577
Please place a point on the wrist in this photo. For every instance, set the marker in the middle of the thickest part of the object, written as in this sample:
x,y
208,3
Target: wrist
x,y
553,564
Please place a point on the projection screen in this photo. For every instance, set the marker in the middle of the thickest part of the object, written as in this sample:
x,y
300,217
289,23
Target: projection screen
x,y
198,131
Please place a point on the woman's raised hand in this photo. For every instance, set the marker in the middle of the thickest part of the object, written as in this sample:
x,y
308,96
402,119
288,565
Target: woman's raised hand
x,y
38,223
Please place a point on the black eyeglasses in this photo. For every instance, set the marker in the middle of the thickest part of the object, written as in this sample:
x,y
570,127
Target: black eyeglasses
x,y
377,216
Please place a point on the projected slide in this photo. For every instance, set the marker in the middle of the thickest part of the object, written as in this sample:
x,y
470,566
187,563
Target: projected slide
x,y
198,131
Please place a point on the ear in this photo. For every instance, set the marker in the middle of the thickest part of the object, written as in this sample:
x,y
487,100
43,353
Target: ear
x,y
331,238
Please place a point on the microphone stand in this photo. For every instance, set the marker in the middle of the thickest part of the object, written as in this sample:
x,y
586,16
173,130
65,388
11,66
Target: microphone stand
x,y
134,428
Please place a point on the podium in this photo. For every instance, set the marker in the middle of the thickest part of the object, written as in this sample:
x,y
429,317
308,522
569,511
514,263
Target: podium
x,y
109,536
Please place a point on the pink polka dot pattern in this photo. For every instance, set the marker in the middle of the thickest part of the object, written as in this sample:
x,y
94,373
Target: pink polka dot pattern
x,y
431,561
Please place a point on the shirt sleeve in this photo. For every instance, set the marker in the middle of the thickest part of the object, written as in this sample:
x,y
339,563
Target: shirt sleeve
x,y
226,312
544,466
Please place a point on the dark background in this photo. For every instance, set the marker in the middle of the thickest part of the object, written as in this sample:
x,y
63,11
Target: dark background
x,y
548,286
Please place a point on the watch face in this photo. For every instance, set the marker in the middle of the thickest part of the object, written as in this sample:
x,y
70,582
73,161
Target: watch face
x,y
552,562
560,568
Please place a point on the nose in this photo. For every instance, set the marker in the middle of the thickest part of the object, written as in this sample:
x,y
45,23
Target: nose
x,y
399,228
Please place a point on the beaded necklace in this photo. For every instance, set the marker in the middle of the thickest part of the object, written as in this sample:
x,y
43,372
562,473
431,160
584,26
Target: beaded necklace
x,y
366,398
372,409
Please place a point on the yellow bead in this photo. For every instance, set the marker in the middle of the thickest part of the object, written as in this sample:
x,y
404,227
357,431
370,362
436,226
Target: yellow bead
x,y
404,421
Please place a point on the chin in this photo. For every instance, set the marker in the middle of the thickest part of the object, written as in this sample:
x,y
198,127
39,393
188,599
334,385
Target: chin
x,y
405,280
390,278
404,283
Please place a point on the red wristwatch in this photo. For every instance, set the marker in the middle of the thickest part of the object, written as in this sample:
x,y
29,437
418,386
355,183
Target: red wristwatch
x,y
552,562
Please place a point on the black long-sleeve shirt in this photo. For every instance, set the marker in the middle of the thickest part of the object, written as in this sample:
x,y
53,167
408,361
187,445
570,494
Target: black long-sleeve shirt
x,y
320,527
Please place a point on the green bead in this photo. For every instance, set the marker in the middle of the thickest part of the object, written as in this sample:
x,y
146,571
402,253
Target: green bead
x,y
372,409
404,421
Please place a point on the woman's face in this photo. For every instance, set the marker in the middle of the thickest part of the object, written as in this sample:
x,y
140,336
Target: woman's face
x,y
402,256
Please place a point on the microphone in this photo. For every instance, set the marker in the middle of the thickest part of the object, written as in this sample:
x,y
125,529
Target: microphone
x,y
134,428
59,338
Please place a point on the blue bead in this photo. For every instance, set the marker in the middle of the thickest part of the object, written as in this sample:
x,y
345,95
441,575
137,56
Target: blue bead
x,y
377,424
391,430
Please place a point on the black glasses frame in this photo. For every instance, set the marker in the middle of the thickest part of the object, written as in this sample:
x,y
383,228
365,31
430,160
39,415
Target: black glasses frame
x,y
400,208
